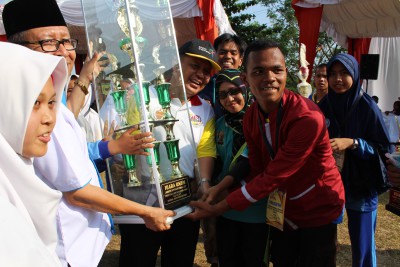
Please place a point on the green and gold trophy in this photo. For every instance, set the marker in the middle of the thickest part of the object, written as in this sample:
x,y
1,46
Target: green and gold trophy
x,y
157,161
174,155
130,166
164,98
119,98
146,96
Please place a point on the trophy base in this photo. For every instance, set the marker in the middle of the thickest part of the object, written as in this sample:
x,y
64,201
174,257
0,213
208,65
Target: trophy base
x,y
176,192
394,201
162,122
160,178
133,180
134,183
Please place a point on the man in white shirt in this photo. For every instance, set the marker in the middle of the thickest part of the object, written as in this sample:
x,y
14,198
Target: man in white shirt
x,y
83,226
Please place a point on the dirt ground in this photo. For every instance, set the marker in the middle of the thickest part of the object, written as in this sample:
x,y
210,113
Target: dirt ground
x,y
387,243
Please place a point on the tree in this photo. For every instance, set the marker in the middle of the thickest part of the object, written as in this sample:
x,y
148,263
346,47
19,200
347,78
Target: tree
x,y
282,28
241,23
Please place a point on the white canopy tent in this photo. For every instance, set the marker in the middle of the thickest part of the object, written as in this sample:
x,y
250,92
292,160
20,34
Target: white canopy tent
x,y
183,11
375,19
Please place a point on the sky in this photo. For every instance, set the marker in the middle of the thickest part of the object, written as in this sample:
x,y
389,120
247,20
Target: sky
x,y
260,12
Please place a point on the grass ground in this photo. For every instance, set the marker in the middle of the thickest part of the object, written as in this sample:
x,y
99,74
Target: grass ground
x,y
387,243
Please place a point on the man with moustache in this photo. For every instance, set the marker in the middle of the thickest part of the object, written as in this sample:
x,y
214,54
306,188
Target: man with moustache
x,y
178,245
84,227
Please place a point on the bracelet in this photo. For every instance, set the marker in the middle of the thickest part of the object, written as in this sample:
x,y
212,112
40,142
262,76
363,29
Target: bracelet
x,y
204,180
82,86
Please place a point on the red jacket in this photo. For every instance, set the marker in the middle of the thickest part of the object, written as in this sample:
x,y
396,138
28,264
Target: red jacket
x,y
303,165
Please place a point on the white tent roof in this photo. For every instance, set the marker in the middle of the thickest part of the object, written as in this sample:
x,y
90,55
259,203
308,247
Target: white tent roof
x,y
377,19
358,18
182,10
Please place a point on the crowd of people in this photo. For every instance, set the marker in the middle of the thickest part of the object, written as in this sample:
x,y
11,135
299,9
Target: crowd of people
x,y
277,171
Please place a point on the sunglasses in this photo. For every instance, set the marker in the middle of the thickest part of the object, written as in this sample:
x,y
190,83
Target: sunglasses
x,y
232,92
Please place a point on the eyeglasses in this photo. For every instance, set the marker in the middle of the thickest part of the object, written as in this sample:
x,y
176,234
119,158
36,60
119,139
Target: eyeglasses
x,y
224,94
52,45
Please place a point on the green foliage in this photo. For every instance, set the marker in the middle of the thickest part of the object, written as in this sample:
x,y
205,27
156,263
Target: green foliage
x,y
326,48
243,24
282,27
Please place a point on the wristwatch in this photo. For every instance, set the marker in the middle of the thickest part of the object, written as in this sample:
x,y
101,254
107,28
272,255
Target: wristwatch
x,y
355,144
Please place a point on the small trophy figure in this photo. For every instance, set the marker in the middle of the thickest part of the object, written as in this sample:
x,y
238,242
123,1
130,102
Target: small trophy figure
x,y
304,88
126,45
174,155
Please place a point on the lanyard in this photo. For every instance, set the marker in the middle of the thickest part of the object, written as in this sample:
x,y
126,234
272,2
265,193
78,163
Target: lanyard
x,y
278,125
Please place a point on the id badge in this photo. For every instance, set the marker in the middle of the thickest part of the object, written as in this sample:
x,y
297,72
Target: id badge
x,y
276,209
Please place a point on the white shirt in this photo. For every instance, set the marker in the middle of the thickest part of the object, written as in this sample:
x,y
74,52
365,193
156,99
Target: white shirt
x,y
83,234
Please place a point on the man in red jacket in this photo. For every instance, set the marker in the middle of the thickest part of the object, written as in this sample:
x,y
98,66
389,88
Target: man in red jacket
x,y
290,159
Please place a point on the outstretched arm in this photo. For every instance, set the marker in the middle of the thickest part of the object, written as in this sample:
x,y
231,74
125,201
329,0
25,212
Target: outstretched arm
x,y
97,199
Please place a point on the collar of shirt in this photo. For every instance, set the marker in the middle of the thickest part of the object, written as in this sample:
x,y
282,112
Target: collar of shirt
x,y
195,100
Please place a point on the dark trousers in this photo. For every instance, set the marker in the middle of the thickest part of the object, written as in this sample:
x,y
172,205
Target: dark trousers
x,y
306,247
139,245
241,244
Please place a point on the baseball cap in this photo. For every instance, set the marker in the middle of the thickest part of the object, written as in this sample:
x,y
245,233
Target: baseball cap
x,y
200,49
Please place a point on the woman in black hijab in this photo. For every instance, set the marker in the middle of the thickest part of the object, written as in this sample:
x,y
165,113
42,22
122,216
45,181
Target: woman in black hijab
x,y
358,137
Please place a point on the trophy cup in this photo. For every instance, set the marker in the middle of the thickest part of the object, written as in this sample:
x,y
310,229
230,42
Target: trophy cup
x,y
130,166
119,98
165,100
146,96
163,95
174,155
120,106
157,161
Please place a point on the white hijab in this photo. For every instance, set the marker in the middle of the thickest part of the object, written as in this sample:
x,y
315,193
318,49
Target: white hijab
x,y
23,74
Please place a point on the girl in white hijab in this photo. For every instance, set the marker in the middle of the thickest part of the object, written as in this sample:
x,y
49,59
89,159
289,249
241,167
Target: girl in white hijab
x,y
31,85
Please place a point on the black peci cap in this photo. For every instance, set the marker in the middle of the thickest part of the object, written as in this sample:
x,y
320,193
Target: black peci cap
x,y
22,15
